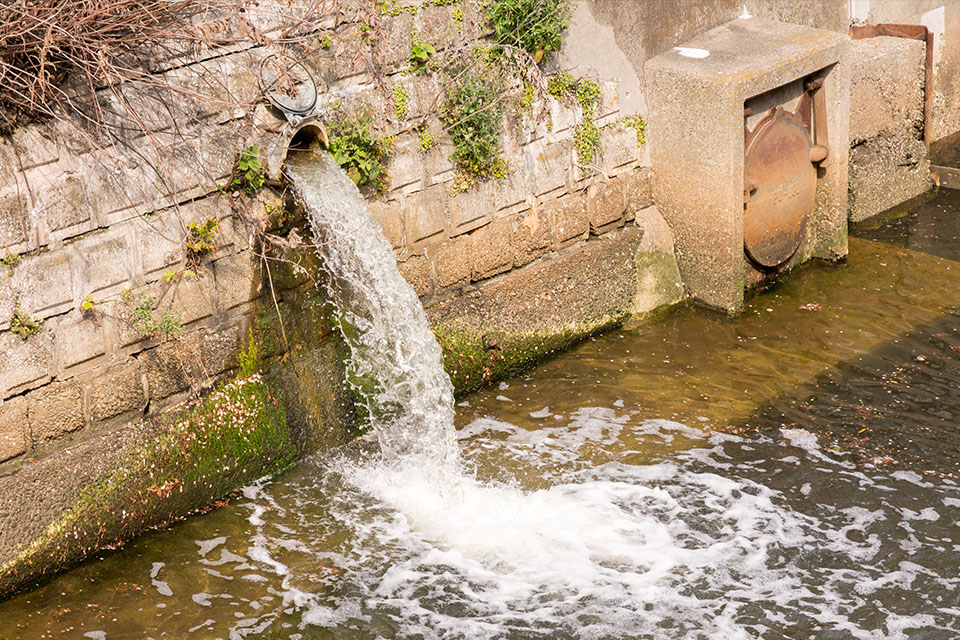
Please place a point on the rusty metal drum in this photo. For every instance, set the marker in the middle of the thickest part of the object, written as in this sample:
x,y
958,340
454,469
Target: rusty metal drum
x,y
780,188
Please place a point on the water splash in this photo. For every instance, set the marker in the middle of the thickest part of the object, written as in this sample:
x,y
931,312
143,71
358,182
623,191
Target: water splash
x,y
406,391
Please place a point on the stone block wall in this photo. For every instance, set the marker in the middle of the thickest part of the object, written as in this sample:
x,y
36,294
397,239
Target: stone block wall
x,y
86,222
888,158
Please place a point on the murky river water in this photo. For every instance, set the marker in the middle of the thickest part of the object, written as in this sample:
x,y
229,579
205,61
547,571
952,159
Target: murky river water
x,y
788,473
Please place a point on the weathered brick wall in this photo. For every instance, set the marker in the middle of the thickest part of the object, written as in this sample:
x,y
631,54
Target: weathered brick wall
x,y
92,221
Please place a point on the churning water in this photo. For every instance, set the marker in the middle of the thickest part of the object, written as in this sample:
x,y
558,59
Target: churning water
x,y
604,495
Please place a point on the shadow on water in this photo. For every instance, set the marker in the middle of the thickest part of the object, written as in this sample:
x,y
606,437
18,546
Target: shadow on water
x,y
931,227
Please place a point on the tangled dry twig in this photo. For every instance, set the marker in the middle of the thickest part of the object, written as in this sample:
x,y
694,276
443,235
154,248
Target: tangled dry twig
x,y
96,43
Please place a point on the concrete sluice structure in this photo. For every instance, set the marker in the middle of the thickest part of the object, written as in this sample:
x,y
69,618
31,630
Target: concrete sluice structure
x,y
95,257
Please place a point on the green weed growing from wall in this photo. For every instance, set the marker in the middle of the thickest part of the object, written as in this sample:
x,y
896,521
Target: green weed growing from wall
x,y
167,325
472,113
536,26
400,101
10,260
248,175
420,54
200,239
24,325
638,124
359,151
585,93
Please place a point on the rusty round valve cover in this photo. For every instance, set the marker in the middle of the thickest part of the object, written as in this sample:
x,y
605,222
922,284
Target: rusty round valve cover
x,y
780,188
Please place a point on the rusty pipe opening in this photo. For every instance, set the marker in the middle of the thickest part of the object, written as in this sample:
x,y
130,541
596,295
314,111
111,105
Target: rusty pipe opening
x,y
306,136
301,137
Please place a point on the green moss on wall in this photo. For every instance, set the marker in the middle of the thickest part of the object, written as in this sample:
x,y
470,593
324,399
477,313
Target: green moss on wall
x,y
474,359
237,434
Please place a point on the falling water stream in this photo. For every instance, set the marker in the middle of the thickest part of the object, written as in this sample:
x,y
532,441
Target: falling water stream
x,y
788,473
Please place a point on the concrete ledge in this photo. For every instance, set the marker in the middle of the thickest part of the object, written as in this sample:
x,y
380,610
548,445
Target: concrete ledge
x,y
510,322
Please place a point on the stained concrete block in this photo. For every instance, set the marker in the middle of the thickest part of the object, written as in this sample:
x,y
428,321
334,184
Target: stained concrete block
x,y
471,209
105,261
418,271
571,217
884,172
390,219
237,280
494,250
532,236
585,288
406,165
423,214
8,299
638,188
886,87
606,202
55,410
696,140
220,347
394,48
510,193
116,391
79,341
658,275
620,148
61,196
196,298
13,219
166,368
44,283
13,428
34,146
452,261
549,164
26,363
159,241
437,26
889,162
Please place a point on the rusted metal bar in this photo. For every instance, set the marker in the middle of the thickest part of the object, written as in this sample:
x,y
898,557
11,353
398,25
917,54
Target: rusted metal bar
x,y
911,32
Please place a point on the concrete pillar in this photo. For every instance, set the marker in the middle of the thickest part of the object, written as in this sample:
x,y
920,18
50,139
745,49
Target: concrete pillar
x,y
696,95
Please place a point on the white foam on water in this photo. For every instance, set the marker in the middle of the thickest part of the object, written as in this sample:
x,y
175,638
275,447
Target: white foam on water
x,y
604,549
206,546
